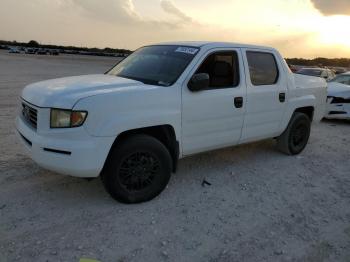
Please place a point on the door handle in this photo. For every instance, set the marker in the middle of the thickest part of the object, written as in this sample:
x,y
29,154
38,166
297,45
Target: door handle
x,y
238,101
282,97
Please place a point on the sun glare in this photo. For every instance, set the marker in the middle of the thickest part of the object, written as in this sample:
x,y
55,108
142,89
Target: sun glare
x,y
335,30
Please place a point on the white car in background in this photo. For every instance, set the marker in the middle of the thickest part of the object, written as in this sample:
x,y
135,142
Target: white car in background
x,y
339,97
325,73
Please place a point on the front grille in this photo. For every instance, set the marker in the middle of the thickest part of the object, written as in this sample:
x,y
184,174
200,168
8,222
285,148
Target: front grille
x,y
30,115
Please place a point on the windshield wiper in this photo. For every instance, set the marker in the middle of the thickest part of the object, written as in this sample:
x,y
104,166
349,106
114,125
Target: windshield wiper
x,y
132,78
162,83
146,81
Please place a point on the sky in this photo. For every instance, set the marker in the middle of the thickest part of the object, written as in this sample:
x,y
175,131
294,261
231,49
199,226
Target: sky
x,y
298,28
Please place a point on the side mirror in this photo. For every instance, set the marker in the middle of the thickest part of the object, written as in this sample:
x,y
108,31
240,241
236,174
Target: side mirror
x,y
198,82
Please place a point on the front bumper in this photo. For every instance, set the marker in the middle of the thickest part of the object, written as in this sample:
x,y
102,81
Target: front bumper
x,y
65,151
337,110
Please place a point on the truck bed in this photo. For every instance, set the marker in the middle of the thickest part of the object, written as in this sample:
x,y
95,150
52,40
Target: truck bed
x,y
312,86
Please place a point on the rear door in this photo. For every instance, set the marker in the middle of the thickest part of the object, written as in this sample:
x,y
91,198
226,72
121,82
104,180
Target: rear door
x,y
266,94
213,118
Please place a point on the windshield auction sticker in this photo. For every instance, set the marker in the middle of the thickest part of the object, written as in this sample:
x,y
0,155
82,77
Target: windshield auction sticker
x,y
187,50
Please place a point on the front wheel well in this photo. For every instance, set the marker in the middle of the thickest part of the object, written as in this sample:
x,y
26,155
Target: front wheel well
x,y
307,110
164,133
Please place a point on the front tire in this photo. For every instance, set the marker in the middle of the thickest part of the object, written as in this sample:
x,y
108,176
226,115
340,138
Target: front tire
x,y
137,170
295,138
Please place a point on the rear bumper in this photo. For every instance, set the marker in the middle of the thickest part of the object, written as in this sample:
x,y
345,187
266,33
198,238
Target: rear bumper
x,y
70,152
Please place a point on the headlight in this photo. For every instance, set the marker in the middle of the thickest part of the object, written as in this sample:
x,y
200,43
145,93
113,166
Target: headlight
x,y
62,118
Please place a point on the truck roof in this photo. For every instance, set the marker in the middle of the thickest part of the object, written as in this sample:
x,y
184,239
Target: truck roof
x,y
209,44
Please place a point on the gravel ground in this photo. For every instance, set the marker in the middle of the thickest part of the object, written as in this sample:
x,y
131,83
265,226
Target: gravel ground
x,y
261,205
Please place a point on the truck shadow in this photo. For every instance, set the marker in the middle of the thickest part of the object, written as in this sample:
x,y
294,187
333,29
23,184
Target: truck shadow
x,y
227,166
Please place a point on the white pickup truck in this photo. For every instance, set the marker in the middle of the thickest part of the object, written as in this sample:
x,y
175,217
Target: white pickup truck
x,y
162,103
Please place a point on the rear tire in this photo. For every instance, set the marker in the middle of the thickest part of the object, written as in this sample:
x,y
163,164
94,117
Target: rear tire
x,y
294,139
137,170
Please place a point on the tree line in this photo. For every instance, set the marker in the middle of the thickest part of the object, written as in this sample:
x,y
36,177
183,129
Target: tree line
x,y
320,61
35,44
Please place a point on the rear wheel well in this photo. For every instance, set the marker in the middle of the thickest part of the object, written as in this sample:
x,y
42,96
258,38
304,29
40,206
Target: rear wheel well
x,y
308,110
164,133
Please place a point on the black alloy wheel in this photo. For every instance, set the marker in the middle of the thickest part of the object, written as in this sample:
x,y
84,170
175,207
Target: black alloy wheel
x,y
137,169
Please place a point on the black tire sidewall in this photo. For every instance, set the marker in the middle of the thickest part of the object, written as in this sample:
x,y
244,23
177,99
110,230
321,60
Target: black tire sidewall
x,y
298,119
137,143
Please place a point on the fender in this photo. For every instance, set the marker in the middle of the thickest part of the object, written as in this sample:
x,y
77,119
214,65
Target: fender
x,y
114,113
295,103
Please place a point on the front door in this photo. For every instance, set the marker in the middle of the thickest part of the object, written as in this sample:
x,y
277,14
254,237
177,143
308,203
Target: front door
x,y
213,118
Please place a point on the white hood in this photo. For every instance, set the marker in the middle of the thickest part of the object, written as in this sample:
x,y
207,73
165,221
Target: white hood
x,y
65,92
338,90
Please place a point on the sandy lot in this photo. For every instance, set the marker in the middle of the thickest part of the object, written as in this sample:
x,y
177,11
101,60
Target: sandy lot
x,y
261,205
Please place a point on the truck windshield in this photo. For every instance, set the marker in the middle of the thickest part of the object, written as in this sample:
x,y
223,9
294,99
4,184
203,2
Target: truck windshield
x,y
155,65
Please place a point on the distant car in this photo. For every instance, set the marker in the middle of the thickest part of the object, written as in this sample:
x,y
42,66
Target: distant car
x,y
342,79
338,100
42,52
339,70
14,50
30,51
53,52
293,68
318,72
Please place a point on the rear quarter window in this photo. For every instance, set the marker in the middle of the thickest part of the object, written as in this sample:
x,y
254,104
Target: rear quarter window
x,y
263,68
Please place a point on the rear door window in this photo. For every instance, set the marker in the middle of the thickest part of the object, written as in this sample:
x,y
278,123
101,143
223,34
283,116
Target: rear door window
x,y
263,68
